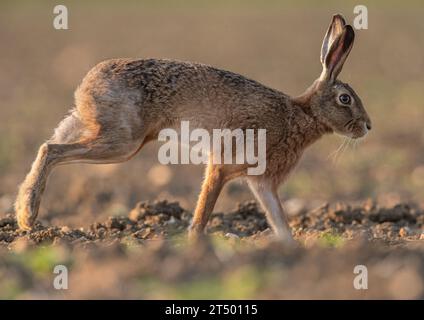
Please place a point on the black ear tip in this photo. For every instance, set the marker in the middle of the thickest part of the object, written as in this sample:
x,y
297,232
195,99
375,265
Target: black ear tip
x,y
349,36
350,31
340,18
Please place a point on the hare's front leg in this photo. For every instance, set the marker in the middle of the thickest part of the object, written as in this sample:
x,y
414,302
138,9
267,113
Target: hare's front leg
x,y
211,187
266,195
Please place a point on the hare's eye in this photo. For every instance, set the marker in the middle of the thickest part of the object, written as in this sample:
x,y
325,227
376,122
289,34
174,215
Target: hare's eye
x,y
344,98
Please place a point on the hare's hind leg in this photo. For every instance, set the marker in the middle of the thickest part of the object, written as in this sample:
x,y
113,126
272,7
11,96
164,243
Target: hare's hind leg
x,y
30,191
71,143
267,196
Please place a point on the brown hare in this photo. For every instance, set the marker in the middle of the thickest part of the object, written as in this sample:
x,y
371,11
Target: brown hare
x,y
122,104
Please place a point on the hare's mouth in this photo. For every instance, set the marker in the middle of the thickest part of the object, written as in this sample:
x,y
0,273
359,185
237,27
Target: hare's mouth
x,y
358,129
354,129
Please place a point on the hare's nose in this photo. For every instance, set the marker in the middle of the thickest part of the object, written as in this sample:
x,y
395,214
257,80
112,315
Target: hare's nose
x,y
368,125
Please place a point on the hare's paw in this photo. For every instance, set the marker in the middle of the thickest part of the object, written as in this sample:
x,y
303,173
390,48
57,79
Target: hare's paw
x,y
195,233
25,210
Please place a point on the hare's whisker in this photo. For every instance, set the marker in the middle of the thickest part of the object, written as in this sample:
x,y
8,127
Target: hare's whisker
x,y
335,155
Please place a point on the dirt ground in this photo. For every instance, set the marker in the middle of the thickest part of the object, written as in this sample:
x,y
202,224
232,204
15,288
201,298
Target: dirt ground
x,y
145,255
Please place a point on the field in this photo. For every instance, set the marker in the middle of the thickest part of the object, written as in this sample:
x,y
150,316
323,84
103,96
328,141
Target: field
x,y
121,228
145,255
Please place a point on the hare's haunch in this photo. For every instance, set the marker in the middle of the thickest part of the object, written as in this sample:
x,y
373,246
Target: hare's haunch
x,y
122,104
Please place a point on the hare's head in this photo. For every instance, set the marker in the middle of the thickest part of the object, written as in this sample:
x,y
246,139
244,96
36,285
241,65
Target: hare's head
x,y
333,102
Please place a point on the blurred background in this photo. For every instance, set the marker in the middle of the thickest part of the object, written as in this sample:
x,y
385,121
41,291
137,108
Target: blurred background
x,y
274,42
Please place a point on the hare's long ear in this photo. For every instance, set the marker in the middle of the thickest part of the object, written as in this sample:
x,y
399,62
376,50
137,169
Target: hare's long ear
x,y
334,29
337,53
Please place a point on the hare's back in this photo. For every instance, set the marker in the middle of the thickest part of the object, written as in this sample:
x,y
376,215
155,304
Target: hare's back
x,y
172,90
162,77
141,80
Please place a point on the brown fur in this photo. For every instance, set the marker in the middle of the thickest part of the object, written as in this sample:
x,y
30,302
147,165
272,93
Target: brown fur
x,y
122,104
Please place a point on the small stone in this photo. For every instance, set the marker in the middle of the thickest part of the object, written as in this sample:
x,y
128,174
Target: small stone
x,y
65,229
143,234
115,223
138,212
171,220
231,235
404,232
